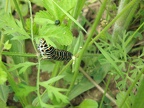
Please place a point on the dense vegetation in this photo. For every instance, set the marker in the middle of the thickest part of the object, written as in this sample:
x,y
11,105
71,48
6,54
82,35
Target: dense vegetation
x,y
105,38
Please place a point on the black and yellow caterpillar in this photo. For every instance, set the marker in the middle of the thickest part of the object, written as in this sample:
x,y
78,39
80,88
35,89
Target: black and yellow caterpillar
x,y
51,53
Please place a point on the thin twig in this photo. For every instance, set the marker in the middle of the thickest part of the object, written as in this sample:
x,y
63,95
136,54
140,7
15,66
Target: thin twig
x,y
97,86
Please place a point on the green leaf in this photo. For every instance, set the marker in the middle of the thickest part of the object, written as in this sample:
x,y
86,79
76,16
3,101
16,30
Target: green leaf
x,y
88,103
109,58
138,101
52,80
22,66
24,90
75,21
45,64
3,104
97,72
60,34
3,76
38,2
55,11
4,91
12,26
24,9
77,43
7,46
43,17
31,106
120,96
55,93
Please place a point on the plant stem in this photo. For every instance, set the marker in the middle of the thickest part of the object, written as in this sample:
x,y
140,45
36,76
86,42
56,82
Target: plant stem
x,y
31,25
131,87
37,84
56,68
113,21
131,37
90,34
18,54
77,10
98,87
65,67
19,12
14,86
1,43
124,21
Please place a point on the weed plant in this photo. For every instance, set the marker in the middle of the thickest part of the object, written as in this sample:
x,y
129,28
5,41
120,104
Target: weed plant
x,y
98,57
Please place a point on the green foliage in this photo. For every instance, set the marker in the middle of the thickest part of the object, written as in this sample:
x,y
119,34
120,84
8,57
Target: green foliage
x,y
54,93
123,59
58,34
127,103
22,67
7,46
12,27
24,90
3,76
138,100
88,103
4,91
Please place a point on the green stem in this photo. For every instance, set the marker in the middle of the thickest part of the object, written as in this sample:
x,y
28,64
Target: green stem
x,y
19,12
1,43
38,81
124,21
14,86
113,21
65,67
31,25
90,34
105,91
18,54
131,37
130,16
56,69
77,10
131,87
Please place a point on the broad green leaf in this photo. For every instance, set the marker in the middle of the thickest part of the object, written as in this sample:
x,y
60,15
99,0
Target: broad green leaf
x,y
24,90
97,72
3,104
88,103
55,11
4,91
45,64
75,21
43,17
60,34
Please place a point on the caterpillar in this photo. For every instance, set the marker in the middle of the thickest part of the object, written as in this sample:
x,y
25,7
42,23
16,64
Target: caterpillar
x,y
51,53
